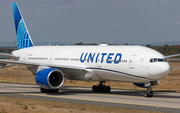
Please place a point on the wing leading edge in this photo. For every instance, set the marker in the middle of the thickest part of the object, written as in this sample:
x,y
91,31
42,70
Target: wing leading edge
x,y
175,55
32,64
70,72
8,55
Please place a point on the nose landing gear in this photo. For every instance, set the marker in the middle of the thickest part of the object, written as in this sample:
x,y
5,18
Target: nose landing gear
x,y
148,93
101,87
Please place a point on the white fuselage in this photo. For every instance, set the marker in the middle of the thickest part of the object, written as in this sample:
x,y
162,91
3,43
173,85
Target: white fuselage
x,y
102,63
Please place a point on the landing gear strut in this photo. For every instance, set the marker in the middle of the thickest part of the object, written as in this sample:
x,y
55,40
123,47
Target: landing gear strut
x,y
148,93
43,90
101,87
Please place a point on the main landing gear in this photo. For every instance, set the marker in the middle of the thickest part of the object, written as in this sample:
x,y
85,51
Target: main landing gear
x,y
101,87
148,93
43,90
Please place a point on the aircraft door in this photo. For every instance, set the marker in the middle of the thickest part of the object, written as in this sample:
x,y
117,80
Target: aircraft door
x,y
24,57
51,58
99,63
132,61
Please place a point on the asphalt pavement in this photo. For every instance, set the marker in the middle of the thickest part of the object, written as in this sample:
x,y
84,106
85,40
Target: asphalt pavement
x,y
132,99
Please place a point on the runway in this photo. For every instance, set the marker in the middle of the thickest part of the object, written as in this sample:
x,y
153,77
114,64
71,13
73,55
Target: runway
x,y
133,99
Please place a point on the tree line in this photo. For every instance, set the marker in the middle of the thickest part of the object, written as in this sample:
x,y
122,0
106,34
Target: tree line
x,y
165,50
7,49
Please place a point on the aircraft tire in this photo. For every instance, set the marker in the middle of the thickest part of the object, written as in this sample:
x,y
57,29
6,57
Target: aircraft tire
x,y
101,88
94,88
98,89
56,90
52,90
42,90
150,94
108,89
146,94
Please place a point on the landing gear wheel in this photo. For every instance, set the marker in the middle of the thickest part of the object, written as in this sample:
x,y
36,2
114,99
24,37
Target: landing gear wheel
x,y
54,90
101,87
108,89
43,90
148,94
94,88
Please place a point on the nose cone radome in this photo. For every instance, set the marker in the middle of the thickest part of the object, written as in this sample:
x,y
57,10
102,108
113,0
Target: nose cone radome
x,y
164,70
160,70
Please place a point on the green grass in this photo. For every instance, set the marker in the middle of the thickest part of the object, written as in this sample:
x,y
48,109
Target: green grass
x,y
3,111
57,107
36,106
83,109
25,107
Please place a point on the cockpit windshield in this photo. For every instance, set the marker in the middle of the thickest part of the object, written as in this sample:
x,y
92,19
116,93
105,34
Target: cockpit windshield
x,y
157,60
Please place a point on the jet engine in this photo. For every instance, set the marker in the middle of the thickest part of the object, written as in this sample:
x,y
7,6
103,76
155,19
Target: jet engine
x,y
50,78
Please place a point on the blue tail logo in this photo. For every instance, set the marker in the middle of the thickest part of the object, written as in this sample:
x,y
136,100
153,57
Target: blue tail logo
x,y
23,37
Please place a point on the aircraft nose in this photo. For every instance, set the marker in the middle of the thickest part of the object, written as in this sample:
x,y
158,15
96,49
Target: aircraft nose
x,y
160,71
165,69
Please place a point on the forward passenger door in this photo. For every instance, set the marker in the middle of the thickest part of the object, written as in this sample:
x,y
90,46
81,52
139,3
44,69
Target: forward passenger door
x,y
132,62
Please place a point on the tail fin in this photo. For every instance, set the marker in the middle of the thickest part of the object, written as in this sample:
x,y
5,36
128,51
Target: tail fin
x,y
23,38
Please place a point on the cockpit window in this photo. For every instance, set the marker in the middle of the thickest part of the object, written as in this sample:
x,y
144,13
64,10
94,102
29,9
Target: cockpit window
x,y
151,60
160,60
157,60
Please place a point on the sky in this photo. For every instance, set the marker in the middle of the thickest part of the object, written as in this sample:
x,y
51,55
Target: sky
x,y
94,21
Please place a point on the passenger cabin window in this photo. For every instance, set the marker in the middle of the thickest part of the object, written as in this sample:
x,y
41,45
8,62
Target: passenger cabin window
x,y
157,60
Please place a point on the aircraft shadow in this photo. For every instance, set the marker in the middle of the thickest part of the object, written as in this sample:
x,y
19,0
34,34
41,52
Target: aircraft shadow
x,y
68,90
124,92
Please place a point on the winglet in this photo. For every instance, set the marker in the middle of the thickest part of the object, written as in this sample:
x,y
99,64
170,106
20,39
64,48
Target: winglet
x,y
23,38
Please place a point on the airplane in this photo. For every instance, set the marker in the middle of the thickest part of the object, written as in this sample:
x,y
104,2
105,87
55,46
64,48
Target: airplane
x,y
51,64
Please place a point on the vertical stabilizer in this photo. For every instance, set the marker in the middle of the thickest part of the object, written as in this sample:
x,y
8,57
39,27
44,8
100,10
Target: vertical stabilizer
x,y
23,38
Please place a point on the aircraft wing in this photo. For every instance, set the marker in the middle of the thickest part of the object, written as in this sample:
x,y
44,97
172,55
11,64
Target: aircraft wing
x,y
169,56
31,64
8,55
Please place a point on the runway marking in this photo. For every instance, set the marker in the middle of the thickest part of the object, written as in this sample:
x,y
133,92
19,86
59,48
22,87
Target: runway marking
x,y
100,100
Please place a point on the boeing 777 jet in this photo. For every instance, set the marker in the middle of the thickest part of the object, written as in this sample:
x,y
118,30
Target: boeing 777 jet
x,y
51,64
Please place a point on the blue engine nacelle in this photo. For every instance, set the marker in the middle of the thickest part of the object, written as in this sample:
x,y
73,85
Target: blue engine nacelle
x,y
50,78
142,85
